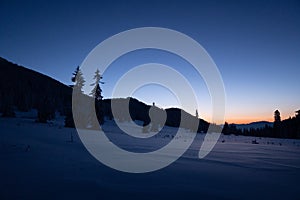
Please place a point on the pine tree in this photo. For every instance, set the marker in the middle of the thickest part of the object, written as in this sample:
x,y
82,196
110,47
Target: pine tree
x,y
277,117
78,80
277,124
96,93
75,74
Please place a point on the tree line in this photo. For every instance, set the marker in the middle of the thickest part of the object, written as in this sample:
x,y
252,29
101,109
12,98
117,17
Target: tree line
x,y
288,128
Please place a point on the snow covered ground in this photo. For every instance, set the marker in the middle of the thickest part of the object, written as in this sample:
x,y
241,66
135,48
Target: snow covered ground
x,y
39,161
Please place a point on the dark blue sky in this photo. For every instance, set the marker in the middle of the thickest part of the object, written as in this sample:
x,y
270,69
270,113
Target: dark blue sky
x,y
255,44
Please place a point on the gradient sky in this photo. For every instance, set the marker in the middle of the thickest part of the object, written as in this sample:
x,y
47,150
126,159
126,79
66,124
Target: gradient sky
x,y
255,44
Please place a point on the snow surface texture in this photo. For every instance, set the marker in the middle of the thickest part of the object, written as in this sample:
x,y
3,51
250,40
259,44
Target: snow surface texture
x,y
48,161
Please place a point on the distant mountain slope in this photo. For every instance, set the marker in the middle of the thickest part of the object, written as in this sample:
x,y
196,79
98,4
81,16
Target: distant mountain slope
x,y
255,125
25,88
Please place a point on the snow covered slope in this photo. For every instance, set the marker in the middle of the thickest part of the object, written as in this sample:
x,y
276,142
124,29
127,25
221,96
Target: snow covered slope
x,y
39,161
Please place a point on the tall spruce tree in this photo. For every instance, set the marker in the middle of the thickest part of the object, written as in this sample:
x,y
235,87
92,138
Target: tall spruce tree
x,y
78,81
96,93
75,74
277,124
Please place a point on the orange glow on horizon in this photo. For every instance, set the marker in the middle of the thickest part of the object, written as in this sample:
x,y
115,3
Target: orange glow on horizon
x,y
243,119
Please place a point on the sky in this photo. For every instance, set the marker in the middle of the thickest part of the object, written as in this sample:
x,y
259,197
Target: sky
x,y
255,45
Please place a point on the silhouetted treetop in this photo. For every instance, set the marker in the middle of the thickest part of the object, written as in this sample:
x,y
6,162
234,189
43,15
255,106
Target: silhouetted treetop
x,y
97,91
277,117
78,80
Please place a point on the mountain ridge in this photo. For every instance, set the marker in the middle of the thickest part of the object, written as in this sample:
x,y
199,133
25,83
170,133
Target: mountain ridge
x,y
25,89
